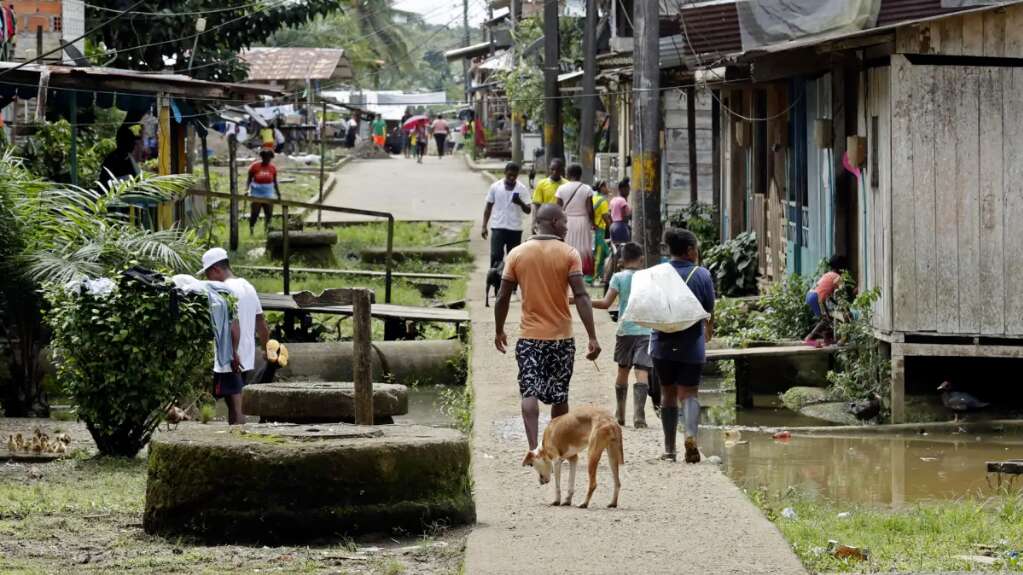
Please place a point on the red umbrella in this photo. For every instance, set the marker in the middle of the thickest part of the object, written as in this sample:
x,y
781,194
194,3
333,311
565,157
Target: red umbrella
x,y
414,122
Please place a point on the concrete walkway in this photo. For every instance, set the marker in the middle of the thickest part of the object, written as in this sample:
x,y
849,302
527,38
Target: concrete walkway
x,y
673,518
436,190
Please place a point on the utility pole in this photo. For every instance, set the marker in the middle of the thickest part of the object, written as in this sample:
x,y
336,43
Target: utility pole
x,y
589,99
646,155
553,138
516,117
465,44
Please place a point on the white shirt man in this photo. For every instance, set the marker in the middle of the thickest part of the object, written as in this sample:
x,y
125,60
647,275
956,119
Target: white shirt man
x,y
228,380
507,200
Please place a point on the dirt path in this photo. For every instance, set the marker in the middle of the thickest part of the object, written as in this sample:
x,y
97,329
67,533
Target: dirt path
x,y
673,518
436,190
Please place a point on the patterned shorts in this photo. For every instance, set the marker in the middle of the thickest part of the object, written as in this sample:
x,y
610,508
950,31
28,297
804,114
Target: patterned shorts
x,y
545,368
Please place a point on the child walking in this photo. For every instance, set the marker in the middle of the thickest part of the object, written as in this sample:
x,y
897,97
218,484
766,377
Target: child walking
x,y
631,341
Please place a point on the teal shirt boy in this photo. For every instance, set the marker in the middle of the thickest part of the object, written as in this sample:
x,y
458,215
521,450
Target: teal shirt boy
x,y
622,283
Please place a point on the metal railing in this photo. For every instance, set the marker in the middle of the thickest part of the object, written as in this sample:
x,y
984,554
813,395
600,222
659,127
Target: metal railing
x,y
285,204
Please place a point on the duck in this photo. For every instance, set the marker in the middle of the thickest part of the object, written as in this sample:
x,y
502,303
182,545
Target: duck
x,y
866,409
959,401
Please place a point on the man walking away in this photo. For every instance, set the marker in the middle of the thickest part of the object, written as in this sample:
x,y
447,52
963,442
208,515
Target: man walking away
x,y
679,357
631,342
502,218
228,380
545,267
546,190
440,131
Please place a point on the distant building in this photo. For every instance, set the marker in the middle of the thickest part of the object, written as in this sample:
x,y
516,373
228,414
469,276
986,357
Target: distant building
x,y
56,19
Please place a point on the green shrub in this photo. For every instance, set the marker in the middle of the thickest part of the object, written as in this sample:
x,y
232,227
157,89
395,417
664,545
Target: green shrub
x,y
780,313
734,265
702,220
862,367
126,353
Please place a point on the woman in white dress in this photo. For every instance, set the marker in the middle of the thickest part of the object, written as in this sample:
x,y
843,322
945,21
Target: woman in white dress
x,y
576,198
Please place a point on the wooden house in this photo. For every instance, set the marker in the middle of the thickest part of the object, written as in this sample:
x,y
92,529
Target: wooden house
x,y
900,146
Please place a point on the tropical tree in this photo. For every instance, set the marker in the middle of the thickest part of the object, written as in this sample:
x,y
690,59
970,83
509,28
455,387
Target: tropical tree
x,y
54,233
159,33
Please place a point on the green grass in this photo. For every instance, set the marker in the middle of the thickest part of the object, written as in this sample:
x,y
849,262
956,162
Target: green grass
x,y
351,239
923,537
75,486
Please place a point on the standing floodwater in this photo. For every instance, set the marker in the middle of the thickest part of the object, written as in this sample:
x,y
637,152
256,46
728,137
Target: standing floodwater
x,y
865,469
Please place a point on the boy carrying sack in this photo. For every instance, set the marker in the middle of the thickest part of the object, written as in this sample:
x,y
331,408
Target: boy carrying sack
x,y
631,340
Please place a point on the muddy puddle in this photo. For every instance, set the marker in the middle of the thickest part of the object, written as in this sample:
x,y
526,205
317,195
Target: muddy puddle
x,y
862,469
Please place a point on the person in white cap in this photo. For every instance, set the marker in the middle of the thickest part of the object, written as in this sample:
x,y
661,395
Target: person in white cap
x,y
228,380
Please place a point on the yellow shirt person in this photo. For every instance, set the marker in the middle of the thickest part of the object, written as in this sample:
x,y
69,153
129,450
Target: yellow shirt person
x,y
545,190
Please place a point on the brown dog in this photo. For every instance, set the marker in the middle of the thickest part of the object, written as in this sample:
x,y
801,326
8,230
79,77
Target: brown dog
x,y
589,429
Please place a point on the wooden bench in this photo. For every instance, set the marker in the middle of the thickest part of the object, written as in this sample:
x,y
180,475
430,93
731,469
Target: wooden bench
x,y
747,360
396,317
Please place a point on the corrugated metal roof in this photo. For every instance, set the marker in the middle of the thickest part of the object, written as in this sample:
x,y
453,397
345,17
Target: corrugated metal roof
x,y
712,29
895,11
283,64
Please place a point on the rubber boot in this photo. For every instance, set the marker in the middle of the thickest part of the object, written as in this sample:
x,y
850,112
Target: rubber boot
x,y
621,394
639,393
691,409
669,422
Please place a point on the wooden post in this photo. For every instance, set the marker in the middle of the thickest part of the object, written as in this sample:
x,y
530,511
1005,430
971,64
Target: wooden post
x,y
553,138
284,249
715,154
362,374
898,399
323,160
589,97
74,138
743,384
646,156
232,178
694,190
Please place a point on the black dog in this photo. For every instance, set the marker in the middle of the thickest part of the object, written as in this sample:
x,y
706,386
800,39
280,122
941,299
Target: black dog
x,y
494,280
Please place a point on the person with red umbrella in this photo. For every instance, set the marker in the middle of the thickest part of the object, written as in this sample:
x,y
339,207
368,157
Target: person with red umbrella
x,y
416,126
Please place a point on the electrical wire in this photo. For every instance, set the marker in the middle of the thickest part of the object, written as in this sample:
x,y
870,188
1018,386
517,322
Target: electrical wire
x,y
72,41
174,14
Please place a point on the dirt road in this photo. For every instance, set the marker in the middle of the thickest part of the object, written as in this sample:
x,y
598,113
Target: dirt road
x,y
439,189
672,518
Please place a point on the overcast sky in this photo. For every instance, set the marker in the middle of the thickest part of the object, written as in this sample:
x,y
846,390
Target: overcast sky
x,y
445,11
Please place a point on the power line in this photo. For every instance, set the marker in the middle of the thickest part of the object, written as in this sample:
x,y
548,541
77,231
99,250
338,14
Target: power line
x,y
174,14
58,49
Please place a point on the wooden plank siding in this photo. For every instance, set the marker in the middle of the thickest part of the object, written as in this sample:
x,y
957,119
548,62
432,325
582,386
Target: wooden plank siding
x,y
876,196
956,195
904,255
1012,141
993,33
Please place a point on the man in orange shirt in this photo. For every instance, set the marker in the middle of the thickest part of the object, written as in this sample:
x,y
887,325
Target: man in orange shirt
x,y
545,267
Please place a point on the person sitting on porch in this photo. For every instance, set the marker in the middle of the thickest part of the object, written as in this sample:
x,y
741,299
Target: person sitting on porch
x,y
823,333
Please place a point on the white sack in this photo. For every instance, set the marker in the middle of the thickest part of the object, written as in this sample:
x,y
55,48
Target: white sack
x,y
661,300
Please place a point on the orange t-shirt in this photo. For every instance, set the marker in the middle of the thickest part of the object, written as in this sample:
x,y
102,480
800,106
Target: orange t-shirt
x,y
541,268
826,285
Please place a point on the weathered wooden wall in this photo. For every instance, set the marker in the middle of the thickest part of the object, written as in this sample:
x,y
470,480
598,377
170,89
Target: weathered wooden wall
x,y
956,199
994,33
875,234
675,184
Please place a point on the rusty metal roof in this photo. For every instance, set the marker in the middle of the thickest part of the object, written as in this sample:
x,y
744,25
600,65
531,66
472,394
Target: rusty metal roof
x,y
710,29
287,64
713,27
895,11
